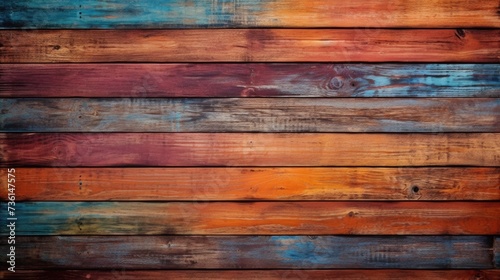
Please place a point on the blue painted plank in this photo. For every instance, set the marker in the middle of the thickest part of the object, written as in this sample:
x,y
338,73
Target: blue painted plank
x,y
246,13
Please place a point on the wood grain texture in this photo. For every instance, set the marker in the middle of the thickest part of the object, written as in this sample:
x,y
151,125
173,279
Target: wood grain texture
x,y
241,184
249,80
247,13
249,115
341,274
256,218
248,149
253,252
247,45
496,251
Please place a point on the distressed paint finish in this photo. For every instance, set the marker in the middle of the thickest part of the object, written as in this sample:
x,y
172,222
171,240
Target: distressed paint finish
x,y
244,218
232,184
248,149
249,80
254,252
251,45
249,115
247,13
341,274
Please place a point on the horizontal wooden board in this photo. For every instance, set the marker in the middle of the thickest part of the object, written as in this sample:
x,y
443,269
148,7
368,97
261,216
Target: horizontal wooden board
x,y
250,218
247,45
249,115
230,13
249,80
341,274
248,149
235,184
252,252
496,251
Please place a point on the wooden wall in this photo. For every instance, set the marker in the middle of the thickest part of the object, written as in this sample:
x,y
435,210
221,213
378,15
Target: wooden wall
x,y
240,139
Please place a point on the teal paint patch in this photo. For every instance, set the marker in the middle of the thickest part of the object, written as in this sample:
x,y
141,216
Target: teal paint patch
x,y
113,14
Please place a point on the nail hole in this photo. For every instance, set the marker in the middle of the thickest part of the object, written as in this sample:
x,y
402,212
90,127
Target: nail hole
x,y
79,117
415,189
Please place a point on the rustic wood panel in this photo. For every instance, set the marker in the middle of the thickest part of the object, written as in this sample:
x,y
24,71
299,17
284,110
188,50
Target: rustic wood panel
x,y
496,251
248,149
245,218
249,80
253,252
219,184
284,13
344,274
249,115
247,45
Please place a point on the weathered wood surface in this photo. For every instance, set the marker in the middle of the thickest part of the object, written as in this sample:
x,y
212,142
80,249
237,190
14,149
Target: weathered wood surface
x,y
249,80
247,45
245,218
341,274
241,184
247,13
496,251
248,149
253,252
249,115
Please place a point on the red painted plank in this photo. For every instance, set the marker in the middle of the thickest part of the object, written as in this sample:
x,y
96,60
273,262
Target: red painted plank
x,y
249,80
341,274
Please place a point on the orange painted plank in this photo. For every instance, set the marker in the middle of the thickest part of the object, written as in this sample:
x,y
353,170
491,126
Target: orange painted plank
x,y
248,149
246,45
257,218
219,184
64,14
122,273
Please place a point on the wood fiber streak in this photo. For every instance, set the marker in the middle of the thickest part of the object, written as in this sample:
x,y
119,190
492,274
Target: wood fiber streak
x,y
249,115
252,184
248,149
247,13
343,274
251,45
254,252
249,80
257,218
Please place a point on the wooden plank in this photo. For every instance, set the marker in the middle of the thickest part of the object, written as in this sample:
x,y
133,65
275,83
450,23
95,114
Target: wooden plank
x,y
252,252
244,218
248,149
249,80
241,184
247,45
284,13
249,115
496,252
344,274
